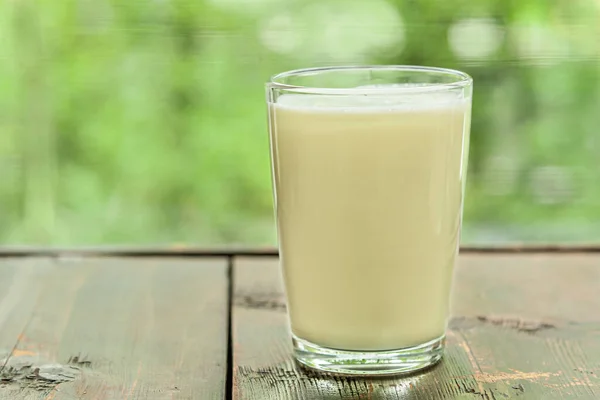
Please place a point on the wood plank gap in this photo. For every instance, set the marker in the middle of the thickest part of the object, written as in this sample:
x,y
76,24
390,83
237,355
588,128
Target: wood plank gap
x,y
230,288
8,252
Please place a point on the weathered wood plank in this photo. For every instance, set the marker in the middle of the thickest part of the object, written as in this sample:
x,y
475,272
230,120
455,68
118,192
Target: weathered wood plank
x,y
524,326
20,284
120,329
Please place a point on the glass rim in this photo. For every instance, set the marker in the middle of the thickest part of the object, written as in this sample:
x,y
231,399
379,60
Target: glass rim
x,y
463,80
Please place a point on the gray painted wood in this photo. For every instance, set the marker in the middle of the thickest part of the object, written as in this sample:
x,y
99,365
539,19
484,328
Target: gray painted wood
x,y
20,283
103,328
523,327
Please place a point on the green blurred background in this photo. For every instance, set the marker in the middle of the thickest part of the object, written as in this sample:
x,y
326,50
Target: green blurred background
x,y
143,121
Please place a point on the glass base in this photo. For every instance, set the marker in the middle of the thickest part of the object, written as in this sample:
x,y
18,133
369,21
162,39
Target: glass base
x,y
388,362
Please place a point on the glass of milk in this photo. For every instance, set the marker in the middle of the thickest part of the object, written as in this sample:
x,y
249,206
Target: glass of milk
x,y
369,167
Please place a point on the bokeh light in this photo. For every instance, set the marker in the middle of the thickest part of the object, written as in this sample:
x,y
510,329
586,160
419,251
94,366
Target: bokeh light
x,y
334,31
475,38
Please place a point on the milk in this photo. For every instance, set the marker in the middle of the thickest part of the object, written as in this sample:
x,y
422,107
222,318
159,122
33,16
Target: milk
x,y
368,199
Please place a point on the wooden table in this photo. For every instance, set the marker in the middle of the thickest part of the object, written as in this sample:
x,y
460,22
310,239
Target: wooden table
x,y
212,325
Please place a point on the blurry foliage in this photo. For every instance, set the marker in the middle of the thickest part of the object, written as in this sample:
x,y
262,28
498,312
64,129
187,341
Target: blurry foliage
x,y
143,122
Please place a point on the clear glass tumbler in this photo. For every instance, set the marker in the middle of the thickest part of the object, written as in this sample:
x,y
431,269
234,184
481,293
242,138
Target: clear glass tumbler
x,y
369,167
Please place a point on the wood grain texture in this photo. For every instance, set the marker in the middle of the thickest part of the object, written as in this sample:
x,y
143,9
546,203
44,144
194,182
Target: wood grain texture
x,y
523,327
20,284
113,328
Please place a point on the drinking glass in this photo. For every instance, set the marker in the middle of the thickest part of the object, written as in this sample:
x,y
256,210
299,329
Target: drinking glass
x,y
369,166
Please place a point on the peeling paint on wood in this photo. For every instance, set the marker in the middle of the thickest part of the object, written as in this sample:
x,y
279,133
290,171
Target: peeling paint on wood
x,y
519,324
261,301
28,372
